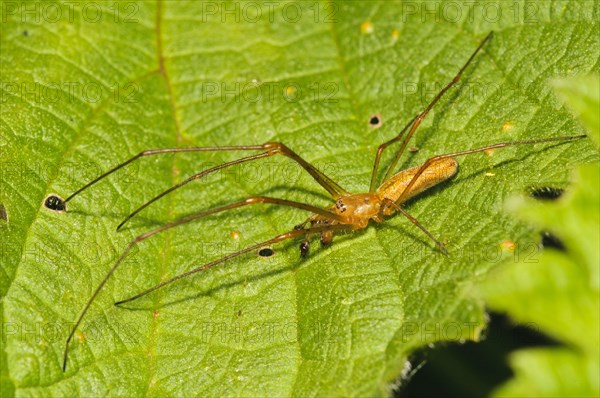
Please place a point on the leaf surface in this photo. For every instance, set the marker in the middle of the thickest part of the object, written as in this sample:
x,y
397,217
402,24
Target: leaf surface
x,y
80,96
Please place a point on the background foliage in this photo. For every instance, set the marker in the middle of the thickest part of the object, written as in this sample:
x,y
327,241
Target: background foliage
x,y
562,290
79,96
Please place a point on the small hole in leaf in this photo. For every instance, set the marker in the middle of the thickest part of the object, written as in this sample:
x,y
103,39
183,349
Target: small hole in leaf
x,y
266,252
546,193
375,121
55,203
549,194
550,240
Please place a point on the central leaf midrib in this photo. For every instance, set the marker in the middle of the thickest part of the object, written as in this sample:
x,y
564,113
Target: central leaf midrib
x,y
174,172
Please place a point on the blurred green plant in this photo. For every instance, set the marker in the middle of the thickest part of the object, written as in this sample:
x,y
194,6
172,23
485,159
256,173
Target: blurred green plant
x,y
559,294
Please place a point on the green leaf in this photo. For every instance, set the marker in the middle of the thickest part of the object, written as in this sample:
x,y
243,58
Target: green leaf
x,y
583,95
562,289
552,373
81,95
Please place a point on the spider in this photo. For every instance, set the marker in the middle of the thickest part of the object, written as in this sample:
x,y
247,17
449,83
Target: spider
x,y
350,211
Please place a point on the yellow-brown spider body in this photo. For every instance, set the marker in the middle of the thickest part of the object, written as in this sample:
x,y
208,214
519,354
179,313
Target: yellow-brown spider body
x,y
358,209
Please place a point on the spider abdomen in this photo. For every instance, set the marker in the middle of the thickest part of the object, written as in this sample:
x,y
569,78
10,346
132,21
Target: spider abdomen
x,y
438,171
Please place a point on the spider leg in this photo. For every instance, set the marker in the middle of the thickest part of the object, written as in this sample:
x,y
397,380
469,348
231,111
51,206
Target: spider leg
x,y
380,150
413,220
285,236
428,162
246,202
416,121
334,189
193,177
271,148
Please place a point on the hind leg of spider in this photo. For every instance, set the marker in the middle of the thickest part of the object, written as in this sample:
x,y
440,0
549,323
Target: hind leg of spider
x,y
279,238
248,201
416,121
429,161
392,204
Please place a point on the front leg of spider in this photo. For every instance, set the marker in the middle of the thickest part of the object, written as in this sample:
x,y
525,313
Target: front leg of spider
x,y
305,244
325,237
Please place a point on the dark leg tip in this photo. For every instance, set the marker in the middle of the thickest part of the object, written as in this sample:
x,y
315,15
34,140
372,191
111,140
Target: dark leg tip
x,y
55,203
304,249
444,251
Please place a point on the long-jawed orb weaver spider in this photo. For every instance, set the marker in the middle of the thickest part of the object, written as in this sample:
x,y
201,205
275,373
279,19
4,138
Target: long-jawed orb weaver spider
x,y
349,212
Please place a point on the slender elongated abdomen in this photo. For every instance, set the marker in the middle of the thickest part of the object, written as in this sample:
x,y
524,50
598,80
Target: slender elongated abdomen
x,y
436,172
